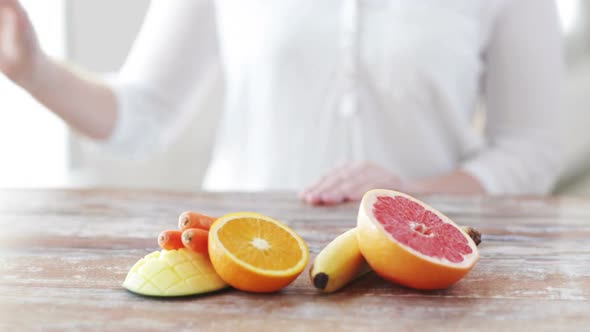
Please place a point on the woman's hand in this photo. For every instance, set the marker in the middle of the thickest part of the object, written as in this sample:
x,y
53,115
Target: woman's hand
x,y
20,53
349,183
85,103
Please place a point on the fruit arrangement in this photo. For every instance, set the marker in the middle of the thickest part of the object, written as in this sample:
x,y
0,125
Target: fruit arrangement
x,y
403,240
399,237
248,251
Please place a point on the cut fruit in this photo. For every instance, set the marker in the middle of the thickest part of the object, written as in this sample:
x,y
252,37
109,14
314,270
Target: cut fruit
x,y
256,253
410,243
173,273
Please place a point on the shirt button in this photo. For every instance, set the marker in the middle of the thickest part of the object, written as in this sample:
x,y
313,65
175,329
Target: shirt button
x,y
348,106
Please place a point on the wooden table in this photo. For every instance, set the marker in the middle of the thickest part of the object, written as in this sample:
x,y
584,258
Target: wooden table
x,y
65,253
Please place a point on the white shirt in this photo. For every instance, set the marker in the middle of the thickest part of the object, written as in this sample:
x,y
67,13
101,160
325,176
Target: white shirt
x,y
310,85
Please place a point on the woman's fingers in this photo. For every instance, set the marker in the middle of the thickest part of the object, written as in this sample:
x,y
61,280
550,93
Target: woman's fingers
x,y
7,4
354,187
23,25
321,192
13,21
349,183
326,192
6,19
312,193
18,41
8,50
349,187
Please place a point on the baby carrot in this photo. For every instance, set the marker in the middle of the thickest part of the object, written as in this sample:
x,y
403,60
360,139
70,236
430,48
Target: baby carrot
x,y
190,219
196,239
170,240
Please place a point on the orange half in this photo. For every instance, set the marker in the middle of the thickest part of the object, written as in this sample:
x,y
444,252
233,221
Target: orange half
x,y
256,253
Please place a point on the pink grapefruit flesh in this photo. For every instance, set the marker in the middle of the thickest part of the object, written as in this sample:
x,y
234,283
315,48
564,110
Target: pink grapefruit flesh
x,y
408,242
420,229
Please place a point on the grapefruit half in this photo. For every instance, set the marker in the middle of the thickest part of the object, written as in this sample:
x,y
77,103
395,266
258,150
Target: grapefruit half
x,y
410,243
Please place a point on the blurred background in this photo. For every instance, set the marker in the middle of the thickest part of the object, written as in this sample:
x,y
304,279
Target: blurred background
x,y
37,150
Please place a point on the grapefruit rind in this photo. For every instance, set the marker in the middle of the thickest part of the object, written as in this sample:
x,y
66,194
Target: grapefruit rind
x,y
399,263
171,273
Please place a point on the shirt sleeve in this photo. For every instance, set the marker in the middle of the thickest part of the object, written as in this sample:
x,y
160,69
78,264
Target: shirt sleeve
x,y
523,97
174,58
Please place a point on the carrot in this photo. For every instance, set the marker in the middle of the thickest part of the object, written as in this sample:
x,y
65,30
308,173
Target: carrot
x,y
170,240
190,219
196,239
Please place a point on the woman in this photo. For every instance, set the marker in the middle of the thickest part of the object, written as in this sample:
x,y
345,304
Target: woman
x,y
371,93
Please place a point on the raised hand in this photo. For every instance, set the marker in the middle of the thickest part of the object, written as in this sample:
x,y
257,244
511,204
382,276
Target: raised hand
x,y
20,53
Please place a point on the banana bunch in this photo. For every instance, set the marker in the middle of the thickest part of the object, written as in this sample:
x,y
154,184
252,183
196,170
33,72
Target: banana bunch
x,y
341,261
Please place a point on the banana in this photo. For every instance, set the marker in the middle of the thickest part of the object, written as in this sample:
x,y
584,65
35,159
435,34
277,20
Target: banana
x,y
341,261
338,263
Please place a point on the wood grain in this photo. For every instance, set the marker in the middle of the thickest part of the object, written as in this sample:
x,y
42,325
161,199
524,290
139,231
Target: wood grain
x,y
65,253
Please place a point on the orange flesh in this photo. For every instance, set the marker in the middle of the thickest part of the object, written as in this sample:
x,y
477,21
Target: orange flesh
x,y
260,243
